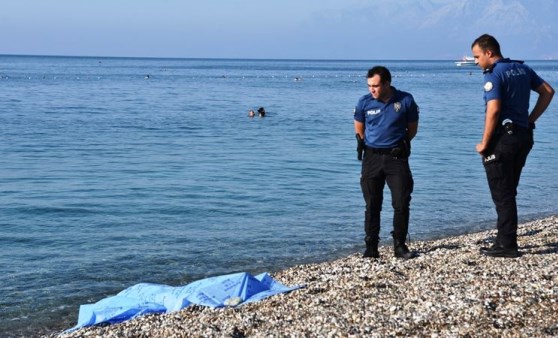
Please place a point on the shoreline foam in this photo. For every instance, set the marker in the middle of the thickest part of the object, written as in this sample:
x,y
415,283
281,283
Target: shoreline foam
x,y
450,290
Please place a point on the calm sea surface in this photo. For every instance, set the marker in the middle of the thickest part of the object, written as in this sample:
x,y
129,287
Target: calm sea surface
x,y
117,171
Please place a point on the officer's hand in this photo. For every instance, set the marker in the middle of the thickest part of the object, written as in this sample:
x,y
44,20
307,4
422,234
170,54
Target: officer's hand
x,y
481,148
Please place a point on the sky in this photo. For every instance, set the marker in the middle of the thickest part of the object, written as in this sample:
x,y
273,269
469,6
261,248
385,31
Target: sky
x,y
278,29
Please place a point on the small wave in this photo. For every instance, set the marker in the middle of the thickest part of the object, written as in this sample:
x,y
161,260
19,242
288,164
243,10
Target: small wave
x,y
63,211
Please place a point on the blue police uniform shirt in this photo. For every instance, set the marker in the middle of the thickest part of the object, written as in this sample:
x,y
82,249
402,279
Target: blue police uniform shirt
x,y
386,123
511,82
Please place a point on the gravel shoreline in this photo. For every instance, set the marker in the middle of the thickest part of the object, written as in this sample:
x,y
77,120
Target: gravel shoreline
x,y
449,290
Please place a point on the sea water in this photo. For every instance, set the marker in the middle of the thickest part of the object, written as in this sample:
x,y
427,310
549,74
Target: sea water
x,y
115,171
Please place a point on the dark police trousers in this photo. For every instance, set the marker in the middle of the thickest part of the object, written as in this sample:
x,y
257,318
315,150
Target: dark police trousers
x,y
503,163
377,169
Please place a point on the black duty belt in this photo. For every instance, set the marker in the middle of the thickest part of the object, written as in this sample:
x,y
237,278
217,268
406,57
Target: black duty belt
x,y
381,151
512,128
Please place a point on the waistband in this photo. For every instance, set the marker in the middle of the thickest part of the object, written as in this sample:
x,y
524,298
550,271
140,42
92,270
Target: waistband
x,y
381,151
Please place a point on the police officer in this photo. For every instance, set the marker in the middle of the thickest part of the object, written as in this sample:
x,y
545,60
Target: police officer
x,y
386,120
508,133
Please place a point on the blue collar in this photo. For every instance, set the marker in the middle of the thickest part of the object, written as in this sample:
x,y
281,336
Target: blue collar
x,y
502,60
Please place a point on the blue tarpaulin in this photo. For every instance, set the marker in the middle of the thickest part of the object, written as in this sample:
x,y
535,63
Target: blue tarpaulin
x,y
144,298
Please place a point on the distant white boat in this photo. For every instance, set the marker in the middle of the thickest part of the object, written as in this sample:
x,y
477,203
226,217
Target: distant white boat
x,y
466,61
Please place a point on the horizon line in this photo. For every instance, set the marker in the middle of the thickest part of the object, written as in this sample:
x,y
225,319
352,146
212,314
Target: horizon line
x,y
214,58
230,58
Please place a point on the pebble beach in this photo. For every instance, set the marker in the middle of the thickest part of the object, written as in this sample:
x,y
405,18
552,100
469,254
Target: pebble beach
x,y
449,290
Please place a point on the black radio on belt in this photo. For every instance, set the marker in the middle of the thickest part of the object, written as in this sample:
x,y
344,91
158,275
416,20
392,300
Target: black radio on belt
x,y
508,126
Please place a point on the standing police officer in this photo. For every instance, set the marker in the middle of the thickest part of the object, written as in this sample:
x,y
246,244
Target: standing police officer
x,y
508,133
386,120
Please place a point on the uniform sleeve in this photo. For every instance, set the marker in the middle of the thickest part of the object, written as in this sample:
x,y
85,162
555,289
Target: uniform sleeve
x,y
413,112
359,113
492,87
536,80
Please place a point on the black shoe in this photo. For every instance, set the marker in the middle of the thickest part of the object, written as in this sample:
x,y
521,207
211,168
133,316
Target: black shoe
x,y
401,251
371,252
500,251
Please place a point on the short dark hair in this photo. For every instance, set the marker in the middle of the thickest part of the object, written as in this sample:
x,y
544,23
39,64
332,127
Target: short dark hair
x,y
487,42
383,72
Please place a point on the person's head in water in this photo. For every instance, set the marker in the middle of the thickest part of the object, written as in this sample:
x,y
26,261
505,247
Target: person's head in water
x,y
251,113
261,111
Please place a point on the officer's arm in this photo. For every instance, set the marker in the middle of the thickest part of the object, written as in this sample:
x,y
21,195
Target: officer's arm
x,y
546,92
491,122
412,129
359,128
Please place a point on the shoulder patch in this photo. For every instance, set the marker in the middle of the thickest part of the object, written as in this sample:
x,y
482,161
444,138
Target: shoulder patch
x,y
488,86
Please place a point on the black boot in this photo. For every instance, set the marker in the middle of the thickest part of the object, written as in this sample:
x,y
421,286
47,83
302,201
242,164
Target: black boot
x,y
499,250
400,250
371,251
371,247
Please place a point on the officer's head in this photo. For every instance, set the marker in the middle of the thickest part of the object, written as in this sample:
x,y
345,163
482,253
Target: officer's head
x,y
382,72
379,82
486,50
487,43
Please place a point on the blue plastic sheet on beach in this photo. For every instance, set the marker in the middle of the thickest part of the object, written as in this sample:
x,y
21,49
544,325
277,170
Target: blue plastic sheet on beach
x,y
145,298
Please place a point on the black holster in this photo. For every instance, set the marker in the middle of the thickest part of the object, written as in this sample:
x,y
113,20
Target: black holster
x,y
403,149
360,147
